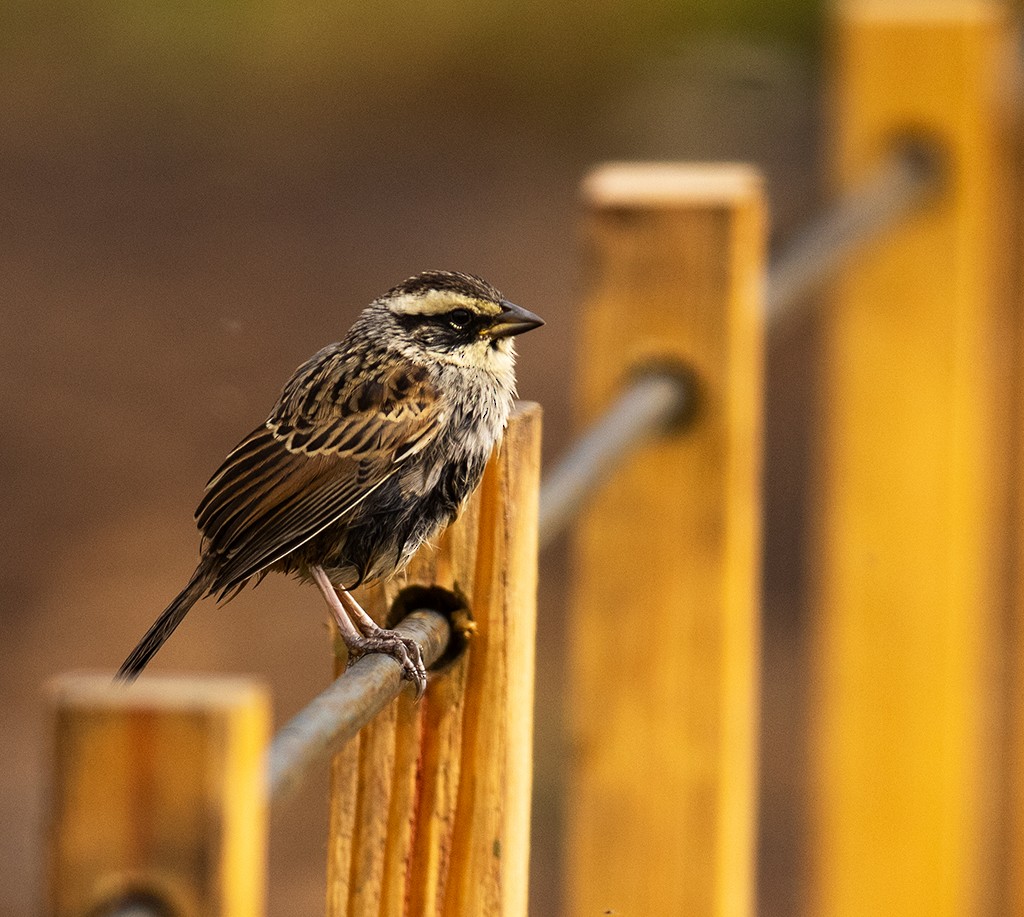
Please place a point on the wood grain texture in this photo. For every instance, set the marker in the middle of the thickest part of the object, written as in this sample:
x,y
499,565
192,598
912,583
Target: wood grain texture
x,y
430,815
158,788
664,631
906,593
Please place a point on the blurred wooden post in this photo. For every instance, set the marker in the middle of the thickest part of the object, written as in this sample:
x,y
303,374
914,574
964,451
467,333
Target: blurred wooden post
x,y
430,806
1012,898
664,631
906,597
158,796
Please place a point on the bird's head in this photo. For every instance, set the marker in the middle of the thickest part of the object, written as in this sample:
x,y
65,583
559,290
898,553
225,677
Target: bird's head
x,y
454,318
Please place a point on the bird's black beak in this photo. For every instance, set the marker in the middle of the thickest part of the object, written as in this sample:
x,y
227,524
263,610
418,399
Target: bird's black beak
x,y
512,320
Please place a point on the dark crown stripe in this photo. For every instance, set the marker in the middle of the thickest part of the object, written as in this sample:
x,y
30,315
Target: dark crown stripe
x,y
450,281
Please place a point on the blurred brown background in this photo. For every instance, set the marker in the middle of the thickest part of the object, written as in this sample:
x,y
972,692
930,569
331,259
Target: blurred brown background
x,y
195,197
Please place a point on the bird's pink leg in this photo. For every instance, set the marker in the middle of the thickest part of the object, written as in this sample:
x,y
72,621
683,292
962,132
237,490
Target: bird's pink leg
x,y
349,632
372,639
362,620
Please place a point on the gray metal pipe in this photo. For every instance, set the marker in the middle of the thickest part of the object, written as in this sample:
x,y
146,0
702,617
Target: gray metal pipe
x,y
335,715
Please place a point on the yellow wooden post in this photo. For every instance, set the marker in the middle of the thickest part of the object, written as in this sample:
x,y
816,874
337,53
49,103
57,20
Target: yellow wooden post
x,y
664,630
158,796
908,541
430,806
1012,891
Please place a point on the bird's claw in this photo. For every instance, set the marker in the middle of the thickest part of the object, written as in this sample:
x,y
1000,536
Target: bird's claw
x,y
408,654
404,651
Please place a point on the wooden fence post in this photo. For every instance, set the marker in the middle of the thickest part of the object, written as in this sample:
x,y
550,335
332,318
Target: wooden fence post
x,y
664,630
430,805
907,598
1011,901
158,797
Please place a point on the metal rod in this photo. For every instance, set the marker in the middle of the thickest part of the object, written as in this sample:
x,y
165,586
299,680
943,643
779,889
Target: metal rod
x,y
334,716
647,406
892,193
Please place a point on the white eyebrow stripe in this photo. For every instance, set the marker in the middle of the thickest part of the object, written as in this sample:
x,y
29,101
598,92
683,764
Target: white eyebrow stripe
x,y
437,302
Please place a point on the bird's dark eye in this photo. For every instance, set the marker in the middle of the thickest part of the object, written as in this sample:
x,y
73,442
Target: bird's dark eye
x,y
460,318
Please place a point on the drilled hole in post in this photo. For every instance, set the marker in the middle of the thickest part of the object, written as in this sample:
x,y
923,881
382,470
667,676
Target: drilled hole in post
x,y
451,605
137,903
686,380
927,157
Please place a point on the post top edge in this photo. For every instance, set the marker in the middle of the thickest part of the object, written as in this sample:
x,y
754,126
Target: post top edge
x,y
162,692
526,409
646,184
921,11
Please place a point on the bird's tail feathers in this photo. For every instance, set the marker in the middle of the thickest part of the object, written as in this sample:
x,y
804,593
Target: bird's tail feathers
x,y
165,625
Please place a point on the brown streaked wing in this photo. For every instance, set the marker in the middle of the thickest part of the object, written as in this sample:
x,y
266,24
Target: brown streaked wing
x,y
288,516
296,475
